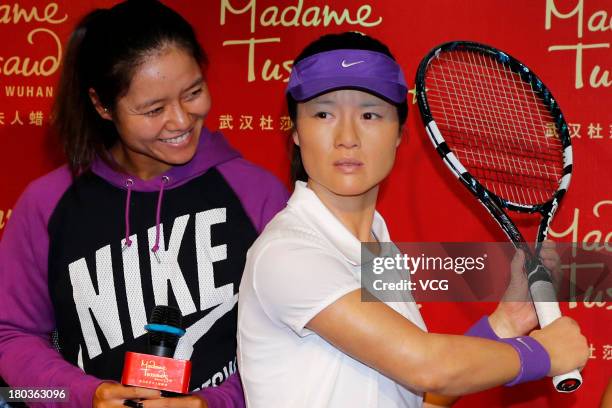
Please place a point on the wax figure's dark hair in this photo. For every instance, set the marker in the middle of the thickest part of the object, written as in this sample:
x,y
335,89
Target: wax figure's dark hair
x,y
330,42
103,53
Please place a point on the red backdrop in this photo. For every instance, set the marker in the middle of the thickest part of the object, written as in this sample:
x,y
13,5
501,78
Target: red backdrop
x,y
250,45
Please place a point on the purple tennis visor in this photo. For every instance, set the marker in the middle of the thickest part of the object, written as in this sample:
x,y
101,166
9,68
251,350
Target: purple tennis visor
x,y
356,69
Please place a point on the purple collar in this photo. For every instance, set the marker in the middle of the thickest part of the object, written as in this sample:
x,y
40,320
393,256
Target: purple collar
x,y
212,149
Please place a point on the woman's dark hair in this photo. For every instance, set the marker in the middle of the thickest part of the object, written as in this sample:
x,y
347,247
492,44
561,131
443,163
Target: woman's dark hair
x,y
103,53
330,42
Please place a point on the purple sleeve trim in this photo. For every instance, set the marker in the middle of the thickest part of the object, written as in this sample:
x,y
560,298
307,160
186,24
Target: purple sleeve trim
x,y
26,312
227,395
36,363
262,195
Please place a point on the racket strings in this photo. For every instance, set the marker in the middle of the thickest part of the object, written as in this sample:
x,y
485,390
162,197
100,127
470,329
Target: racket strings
x,y
509,160
496,125
532,153
481,98
455,72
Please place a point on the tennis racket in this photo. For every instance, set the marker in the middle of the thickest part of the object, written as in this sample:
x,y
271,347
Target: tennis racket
x,y
500,131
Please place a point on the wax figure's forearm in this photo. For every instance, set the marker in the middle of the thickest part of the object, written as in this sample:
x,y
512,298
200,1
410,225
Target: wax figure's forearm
x,y
489,327
470,364
445,364
484,328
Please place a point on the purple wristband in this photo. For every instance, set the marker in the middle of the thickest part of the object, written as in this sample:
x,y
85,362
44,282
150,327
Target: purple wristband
x,y
483,329
535,361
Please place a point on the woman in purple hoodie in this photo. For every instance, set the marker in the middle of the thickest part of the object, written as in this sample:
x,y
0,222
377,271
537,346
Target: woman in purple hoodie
x,y
151,209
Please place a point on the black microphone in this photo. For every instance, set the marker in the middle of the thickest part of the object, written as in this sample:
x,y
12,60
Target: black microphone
x,y
158,370
165,329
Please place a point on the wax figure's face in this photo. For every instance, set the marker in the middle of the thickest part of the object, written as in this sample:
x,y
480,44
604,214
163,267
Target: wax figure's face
x,y
160,118
348,140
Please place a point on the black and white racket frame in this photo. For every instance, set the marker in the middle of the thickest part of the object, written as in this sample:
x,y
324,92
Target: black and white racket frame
x,y
539,278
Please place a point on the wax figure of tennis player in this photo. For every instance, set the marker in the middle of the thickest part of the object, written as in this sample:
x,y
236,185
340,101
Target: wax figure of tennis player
x,y
305,338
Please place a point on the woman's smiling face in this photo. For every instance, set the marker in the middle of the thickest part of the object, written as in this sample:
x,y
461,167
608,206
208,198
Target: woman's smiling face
x,y
160,118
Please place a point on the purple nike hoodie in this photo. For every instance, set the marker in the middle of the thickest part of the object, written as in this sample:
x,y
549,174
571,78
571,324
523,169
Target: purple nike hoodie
x,y
83,261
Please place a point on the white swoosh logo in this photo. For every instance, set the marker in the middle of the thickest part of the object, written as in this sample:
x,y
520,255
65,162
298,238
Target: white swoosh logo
x,y
523,343
350,64
197,330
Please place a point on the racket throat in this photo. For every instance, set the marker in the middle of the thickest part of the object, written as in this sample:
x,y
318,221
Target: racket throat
x,y
536,272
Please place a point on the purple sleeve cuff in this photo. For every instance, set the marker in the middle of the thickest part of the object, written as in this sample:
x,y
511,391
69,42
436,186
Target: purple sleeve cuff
x,y
82,394
32,362
483,329
227,395
535,361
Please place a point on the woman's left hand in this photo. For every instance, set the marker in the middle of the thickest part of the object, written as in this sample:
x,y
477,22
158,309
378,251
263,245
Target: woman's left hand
x,y
515,314
190,401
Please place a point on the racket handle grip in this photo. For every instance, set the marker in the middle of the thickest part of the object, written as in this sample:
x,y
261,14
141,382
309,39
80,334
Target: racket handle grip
x,y
547,309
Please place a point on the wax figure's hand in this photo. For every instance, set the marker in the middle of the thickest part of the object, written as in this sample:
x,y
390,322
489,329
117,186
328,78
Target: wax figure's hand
x,y
515,314
191,401
566,346
113,395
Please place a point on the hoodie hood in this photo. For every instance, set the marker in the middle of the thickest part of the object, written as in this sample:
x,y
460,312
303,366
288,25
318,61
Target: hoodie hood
x,y
212,150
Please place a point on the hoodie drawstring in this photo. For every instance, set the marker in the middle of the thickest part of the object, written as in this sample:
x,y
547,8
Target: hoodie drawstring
x,y
155,248
128,241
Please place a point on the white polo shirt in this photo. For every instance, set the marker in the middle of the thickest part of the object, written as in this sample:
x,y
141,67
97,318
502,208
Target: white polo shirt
x,y
305,260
